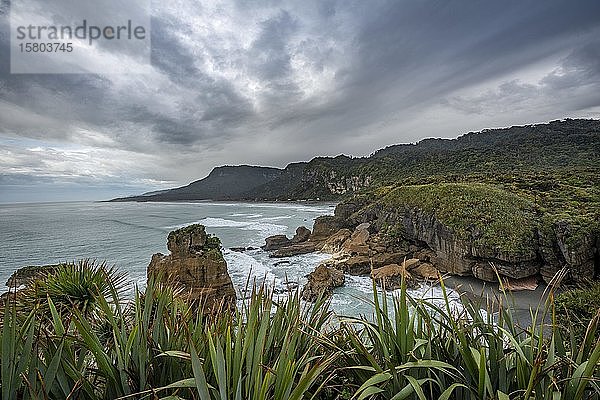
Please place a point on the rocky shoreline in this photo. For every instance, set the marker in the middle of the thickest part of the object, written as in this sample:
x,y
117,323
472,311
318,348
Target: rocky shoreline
x,y
391,244
195,269
355,252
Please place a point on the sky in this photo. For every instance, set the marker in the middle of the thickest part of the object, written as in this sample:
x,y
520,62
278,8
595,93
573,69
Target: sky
x,y
272,82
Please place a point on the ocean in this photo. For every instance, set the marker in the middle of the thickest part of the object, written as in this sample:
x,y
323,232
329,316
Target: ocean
x,y
128,234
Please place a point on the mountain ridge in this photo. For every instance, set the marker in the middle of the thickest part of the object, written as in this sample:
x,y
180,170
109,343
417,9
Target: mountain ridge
x,y
569,144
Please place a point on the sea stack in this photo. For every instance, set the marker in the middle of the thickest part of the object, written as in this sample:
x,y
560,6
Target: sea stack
x,y
195,265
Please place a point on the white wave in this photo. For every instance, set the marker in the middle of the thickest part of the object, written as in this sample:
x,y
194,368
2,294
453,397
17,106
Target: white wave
x,y
339,301
211,222
325,209
278,218
246,215
246,269
265,228
363,284
310,259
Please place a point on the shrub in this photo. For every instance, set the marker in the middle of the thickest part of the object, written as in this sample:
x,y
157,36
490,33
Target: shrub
x,y
575,308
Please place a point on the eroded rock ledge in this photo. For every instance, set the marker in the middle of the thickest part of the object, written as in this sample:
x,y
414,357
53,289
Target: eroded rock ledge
x,y
196,266
26,275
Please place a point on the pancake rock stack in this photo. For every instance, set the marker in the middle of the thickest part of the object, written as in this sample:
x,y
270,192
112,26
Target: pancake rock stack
x,y
196,266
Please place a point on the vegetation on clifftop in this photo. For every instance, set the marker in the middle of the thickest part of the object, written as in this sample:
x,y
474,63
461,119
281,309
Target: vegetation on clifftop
x,y
547,172
504,210
486,215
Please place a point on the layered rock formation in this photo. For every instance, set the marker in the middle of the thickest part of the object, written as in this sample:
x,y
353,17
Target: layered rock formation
x,y
302,235
23,278
390,276
461,229
26,275
455,254
412,271
276,242
504,242
196,265
357,252
303,242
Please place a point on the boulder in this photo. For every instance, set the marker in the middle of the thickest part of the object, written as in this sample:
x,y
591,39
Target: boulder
x,y
276,242
302,235
355,265
425,271
361,264
357,243
326,226
390,276
411,263
321,282
345,209
242,249
356,249
334,243
197,267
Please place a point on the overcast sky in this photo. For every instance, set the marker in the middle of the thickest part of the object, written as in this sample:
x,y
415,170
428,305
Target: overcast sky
x,y
272,82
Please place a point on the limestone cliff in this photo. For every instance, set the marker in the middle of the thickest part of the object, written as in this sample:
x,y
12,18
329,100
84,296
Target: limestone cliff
x,y
475,229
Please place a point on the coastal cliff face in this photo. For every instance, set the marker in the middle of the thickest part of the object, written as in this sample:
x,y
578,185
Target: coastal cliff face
x,y
489,231
196,266
475,229
456,254
333,182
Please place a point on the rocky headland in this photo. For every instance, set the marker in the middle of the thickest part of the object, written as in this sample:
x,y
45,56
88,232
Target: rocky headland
x,y
417,232
565,150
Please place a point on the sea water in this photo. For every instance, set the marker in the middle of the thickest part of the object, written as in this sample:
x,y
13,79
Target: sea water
x,y
128,234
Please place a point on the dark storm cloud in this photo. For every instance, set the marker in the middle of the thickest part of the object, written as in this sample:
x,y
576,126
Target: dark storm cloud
x,y
574,84
272,82
269,56
170,55
579,68
431,48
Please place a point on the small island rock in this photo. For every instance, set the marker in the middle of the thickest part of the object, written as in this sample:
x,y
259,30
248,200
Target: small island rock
x,y
196,265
